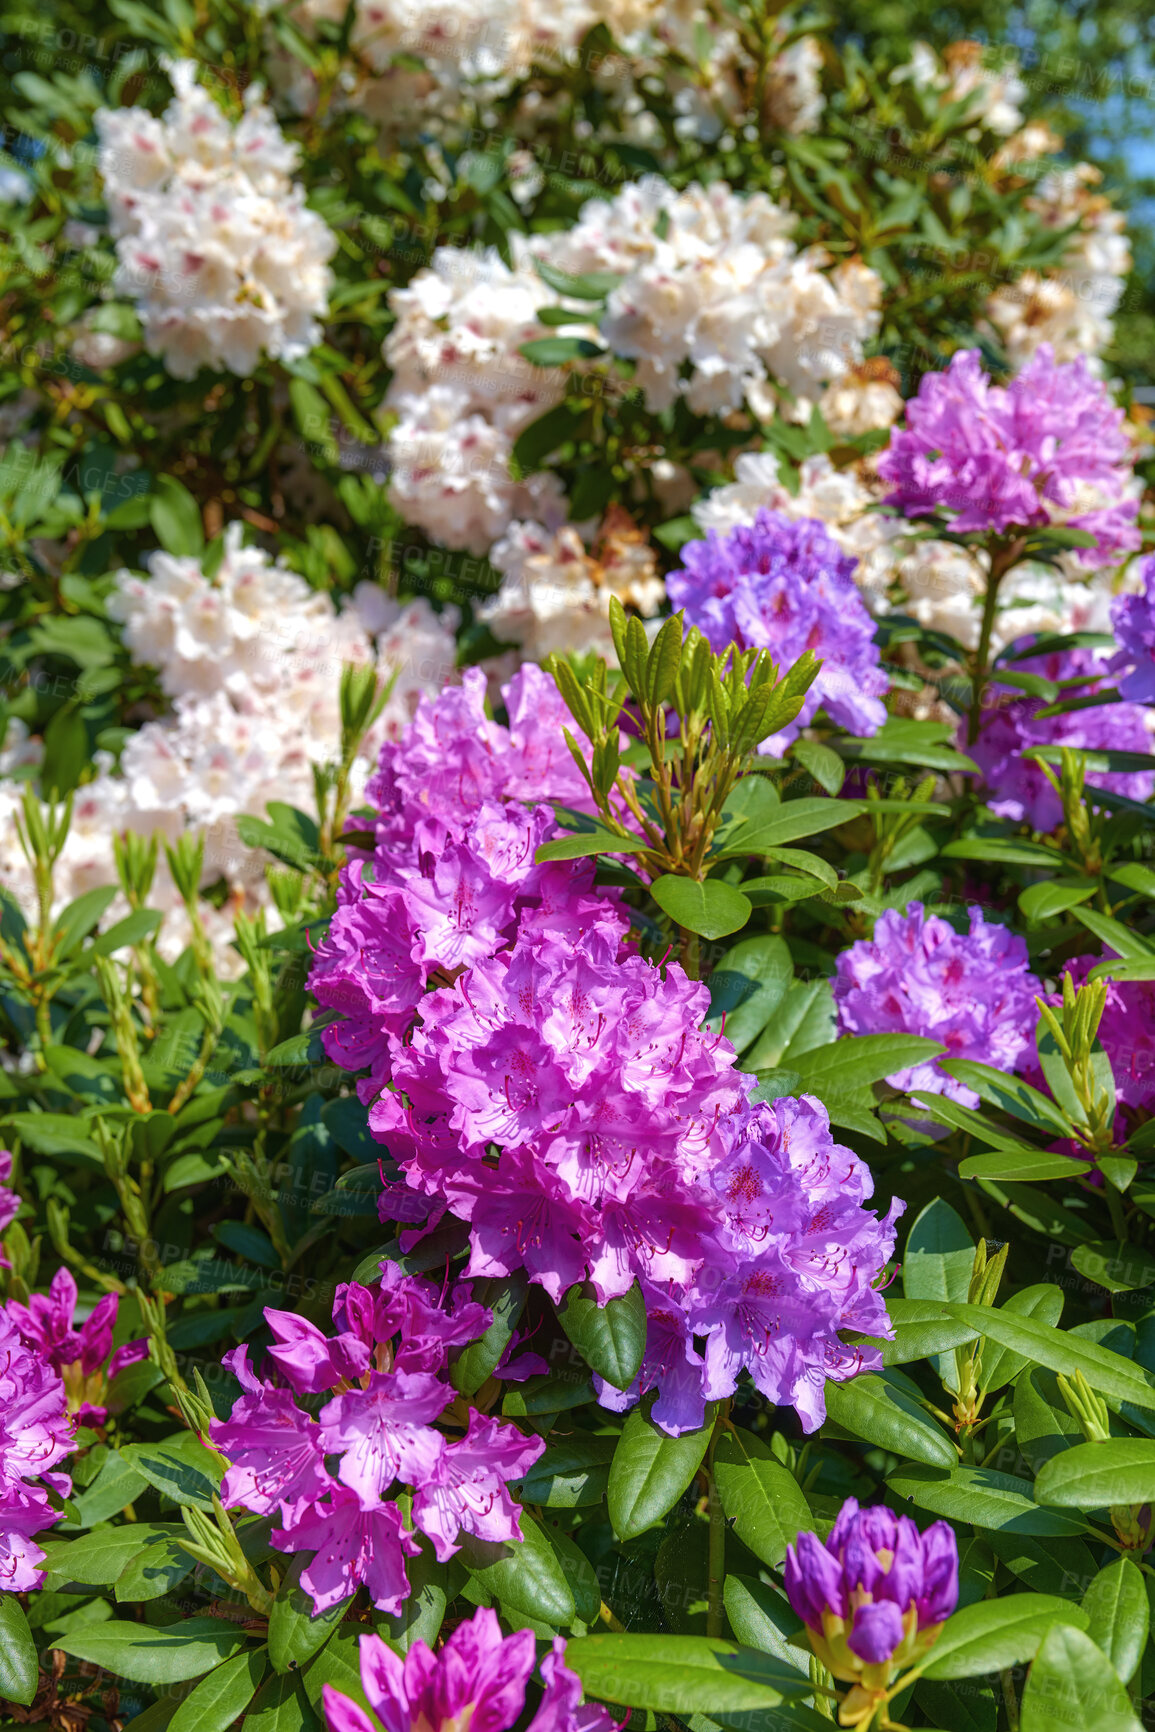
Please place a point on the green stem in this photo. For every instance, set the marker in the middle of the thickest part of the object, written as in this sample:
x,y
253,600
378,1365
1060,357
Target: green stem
x,y
1011,1699
715,1604
1002,558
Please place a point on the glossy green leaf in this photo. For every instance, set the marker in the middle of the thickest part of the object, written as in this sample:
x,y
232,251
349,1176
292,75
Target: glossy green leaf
x,y
1073,1684
181,1467
681,1674
573,1473
1093,1475
611,1338
984,1498
993,1634
149,1655
711,908
19,1662
526,1577
1119,1615
1108,1372
759,1495
1043,1302
222,1697
504,1296
650,1471
295,1633
747,985
876,1410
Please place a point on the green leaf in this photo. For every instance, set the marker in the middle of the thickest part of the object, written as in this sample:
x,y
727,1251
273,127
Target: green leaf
x,y
176,518
149,1655
1094,1475
222,1697
759,1496
747,986
181,1467
1033,1168
159,1565
572,1474
938,1262
1073,1684
1108,1372
824,765
1119,1615
543,436
920,1329
994,1634
1009,1093
116,1486
792,820
596,840
282,1706
556,351
588,286
295,1633
902,740
1042,902
98,1559
712,909
650,1472
314,420
876,1410
1117,1267
858,1060
339,1664
526,1578
984,1498
504,1296
1044,1302
611,1338
681,1674
762,1618
1130,944
19,1663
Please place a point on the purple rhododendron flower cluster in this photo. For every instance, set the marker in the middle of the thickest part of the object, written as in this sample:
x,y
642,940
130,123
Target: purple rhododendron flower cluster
x,y
567,1104
1018,788
79,1353
876,1594
383,1373
1133,622
1049,447
783,584
36,1432
476,1680
452,879
972,991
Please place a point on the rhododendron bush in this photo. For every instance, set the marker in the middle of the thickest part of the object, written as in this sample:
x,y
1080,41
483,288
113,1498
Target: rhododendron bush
x,y
577,887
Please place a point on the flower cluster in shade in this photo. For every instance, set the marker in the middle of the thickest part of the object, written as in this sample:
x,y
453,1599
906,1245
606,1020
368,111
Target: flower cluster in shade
x,y
1047,448
53,1373
476,1680
1133,622
875,1596
250,660
559,1094
1017,787
973,991
215,240
331,1481
784,584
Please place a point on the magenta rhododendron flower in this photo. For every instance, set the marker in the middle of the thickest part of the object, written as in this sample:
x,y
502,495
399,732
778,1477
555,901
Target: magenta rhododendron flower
x,y
476,1680
1017,788
783,584
1049,447
972,991
1133,622
36,1432
333,1479
875,1596
78,1352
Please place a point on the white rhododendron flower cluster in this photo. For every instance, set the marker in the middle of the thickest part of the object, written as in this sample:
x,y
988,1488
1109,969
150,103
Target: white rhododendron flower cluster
x,y
252,661
214,238
965,71
555,597
1071,306
709,278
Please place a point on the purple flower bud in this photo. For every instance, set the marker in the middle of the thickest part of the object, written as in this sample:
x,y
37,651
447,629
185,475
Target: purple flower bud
x,y
874,1596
